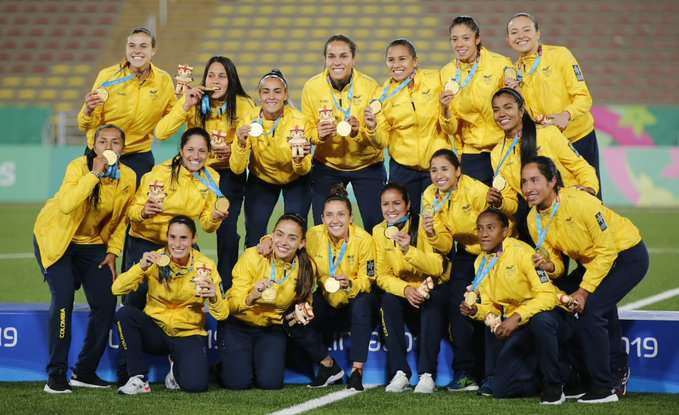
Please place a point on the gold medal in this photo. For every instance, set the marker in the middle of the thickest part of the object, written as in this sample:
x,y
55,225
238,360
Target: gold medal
x,y
452,86
222,204
376,106
331,285
391,232
163,260
510,74
543,253
269,294
344,128
499,183
103,93
256,129
110,156
470,298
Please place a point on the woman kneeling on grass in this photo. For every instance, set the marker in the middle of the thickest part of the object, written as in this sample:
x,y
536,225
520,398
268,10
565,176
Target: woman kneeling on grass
x,y
179,279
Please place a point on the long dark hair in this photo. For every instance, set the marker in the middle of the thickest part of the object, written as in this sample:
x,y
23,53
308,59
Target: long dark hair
x,y
234,89
528,130
306,273
95,197
177,160
470,23
338,193
548,169
414,217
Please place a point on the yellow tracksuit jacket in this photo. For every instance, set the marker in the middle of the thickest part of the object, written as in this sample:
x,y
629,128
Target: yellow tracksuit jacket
x,y
187,196
68,217
395,270
471,119
270,158
173,304
133,106
408,124
341,153
587,231
558,85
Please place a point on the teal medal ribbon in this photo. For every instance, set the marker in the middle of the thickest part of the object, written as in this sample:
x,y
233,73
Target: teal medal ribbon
x,y
274,275
542,232
345,112
533,68
436,205
334,264
470,76
113,82
272,131
504,158
386,94
209,183
484,269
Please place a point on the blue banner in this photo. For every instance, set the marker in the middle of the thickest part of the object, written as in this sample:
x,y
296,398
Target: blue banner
x,y
648,336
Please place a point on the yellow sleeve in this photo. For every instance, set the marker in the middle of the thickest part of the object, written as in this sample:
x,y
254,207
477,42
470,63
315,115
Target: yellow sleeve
x,y
584,173
543,292
386,279
442,241
379,137
206,222
424,260
308,111
172,122
240,156
137,206
86,122
75,189
115,242
244,279
581,99
367,255
129,280
219,308
605,252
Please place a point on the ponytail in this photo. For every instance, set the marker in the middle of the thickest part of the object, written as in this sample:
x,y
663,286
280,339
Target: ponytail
x,y
529,147
94,198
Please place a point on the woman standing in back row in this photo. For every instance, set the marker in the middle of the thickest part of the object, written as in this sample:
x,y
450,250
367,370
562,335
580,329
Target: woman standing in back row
x,y
468,84
552,82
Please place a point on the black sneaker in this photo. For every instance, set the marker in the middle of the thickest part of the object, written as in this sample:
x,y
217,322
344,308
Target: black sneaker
x,y
485,389
327,376
88,380
552,395
574,391
57,384
622,376
599,396
355,380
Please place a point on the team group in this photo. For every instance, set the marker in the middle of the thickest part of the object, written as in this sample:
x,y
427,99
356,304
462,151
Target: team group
x,y
493,189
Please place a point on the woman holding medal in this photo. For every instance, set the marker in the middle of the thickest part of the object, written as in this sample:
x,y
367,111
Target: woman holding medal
x,y
524,140
449,210
527,344
611,254
252,342
179,279
551,80
414,278
272,145
334,101
405,118
181,186
89,214
469,82
134,95
217,106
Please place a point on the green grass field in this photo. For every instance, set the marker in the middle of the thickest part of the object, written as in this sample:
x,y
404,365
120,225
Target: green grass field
x,y
21,281
28,398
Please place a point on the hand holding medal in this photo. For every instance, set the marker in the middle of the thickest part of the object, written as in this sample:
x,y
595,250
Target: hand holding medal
x,y
326,124
297,143
426,288
204,286
152,257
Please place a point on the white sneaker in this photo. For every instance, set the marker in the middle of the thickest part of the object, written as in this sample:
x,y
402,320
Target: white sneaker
x,y
399,383
134,386
426,384
170,381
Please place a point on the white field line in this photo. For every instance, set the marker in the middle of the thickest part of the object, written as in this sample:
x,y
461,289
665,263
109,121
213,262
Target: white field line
x,y
318,402
651,300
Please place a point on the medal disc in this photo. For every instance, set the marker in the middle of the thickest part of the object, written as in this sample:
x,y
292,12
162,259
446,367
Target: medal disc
x,y
452,86
222,204
163,260
269,294
499,183
344,128
390,232
331,285
376,106
470,298
543,253
256,129
103,93
110,156
510,74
